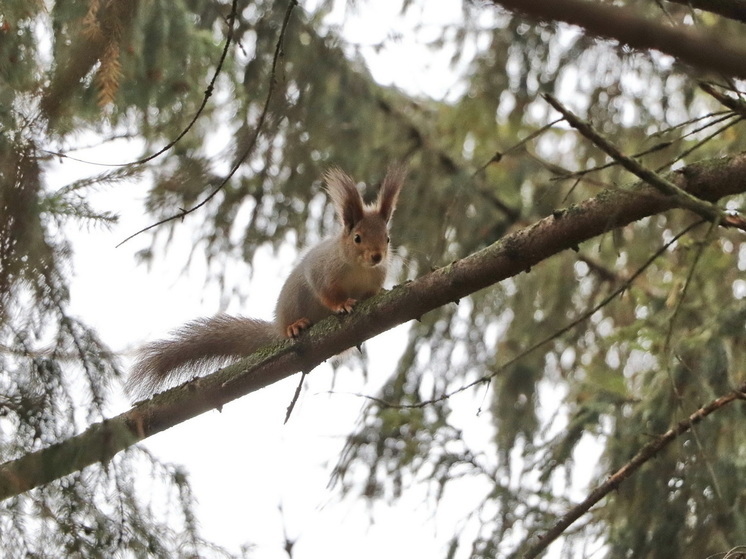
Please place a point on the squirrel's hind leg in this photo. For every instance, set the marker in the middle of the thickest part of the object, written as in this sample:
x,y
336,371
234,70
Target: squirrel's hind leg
x,y
293,330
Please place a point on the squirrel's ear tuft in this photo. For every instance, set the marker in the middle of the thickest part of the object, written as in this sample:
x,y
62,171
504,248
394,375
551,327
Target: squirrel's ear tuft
x,y
390,188
346,199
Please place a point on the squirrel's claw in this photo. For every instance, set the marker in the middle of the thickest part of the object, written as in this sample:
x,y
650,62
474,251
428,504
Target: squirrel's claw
x,y
294,330
346,307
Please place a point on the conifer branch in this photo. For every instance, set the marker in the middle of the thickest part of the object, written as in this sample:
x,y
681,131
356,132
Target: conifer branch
x,y
717,118
513,254
252,143
706,210
613,482
109,82
733,120
208,91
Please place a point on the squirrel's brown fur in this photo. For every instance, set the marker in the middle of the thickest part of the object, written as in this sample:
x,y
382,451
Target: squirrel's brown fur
x,y
330,278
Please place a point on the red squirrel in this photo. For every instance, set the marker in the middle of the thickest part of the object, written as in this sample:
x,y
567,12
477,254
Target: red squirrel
x,y
330,278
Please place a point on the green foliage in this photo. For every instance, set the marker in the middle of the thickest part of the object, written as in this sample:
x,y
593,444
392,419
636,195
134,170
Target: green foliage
x,y
611,377
55,372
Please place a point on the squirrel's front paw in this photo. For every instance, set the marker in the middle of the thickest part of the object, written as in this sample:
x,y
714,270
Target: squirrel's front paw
x,y
345,307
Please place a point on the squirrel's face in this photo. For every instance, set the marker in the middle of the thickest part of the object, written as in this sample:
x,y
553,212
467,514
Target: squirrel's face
x,y
368,242
365,238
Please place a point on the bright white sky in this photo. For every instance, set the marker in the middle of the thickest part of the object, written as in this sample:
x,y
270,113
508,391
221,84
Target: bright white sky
x,y
244,463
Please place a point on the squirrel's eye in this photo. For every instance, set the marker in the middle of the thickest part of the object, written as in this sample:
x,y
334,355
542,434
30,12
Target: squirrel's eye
x,y
388,239
357,238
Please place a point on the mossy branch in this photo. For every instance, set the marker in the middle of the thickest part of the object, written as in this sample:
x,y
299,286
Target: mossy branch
x,y
518,252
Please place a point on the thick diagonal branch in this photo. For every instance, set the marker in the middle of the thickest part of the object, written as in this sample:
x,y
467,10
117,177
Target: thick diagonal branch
x,y
515,253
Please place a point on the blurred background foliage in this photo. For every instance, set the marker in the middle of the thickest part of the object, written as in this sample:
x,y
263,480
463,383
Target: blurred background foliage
x,y
70,71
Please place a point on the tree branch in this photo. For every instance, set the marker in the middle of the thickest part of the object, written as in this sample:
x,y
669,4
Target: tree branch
x,y
732,9
513,254
706,210
614,481
494,371
702,51
737,105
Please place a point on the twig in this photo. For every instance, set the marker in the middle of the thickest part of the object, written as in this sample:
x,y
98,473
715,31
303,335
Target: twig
x,y
566,174
735,105
172,143
614,481
703,141
262,117
687,283
707,210
718,115
722,116
291,406
515,147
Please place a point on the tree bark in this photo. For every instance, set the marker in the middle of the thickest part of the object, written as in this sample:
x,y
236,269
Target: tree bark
x,y
515,253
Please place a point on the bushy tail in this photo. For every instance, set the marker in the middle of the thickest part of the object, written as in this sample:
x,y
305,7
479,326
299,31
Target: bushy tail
x,y
197,347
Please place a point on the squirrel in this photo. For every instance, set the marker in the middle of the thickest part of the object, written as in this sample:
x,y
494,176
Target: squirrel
x,y
333,275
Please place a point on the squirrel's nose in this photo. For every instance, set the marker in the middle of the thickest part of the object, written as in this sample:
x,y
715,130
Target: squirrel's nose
x,y
376,257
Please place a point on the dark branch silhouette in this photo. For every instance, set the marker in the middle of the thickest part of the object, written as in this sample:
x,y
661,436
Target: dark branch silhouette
x,y
695,48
